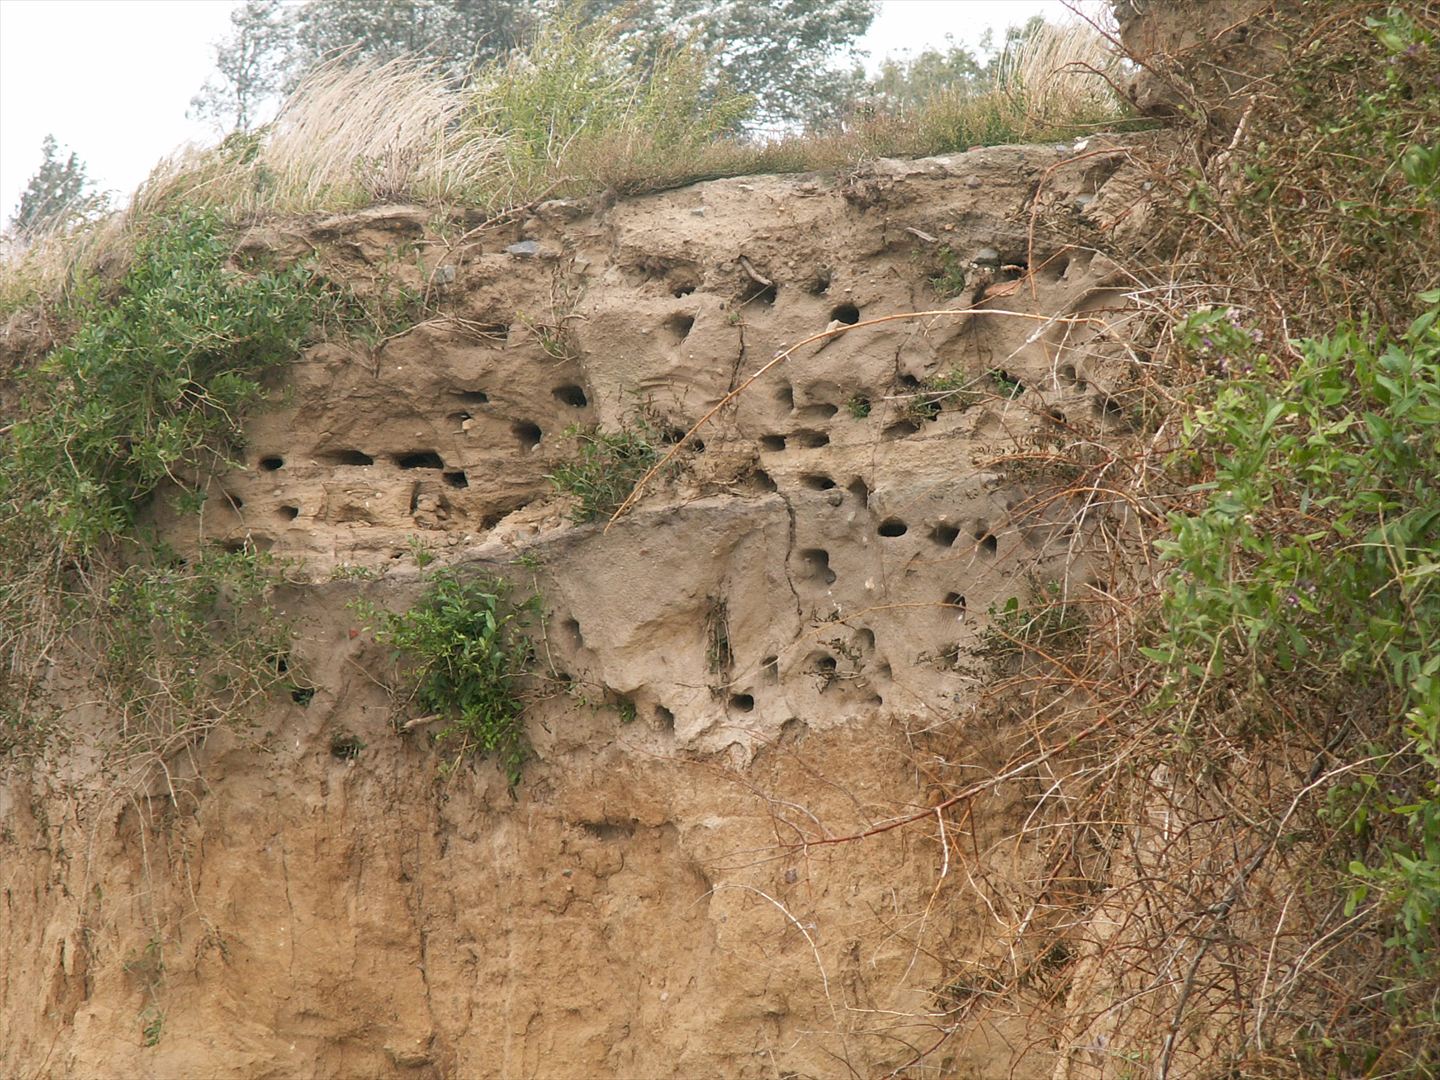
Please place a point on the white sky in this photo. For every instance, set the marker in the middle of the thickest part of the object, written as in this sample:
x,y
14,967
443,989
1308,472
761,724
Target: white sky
x,y
112,79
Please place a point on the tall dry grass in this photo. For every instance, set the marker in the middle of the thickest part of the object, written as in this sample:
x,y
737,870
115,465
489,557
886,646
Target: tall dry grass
x,y
349,136
575,114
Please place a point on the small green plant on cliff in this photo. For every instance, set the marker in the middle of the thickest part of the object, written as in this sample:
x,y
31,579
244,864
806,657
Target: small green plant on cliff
x,y
1049,625
464,639
952,389
608,466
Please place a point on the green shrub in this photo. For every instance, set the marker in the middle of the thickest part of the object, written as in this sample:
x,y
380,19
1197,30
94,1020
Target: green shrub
x,y
1314,562
152,387
149,390
466,642
608,468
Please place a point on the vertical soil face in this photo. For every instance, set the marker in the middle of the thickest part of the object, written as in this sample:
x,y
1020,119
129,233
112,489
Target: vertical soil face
x,y
771,653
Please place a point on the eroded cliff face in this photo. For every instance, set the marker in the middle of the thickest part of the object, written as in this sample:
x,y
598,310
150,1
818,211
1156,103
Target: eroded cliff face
x,y
770,653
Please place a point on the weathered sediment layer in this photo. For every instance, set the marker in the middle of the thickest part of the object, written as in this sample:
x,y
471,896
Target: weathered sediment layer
x,y
771,649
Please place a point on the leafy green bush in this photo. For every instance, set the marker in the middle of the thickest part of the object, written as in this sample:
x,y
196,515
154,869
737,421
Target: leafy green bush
x,y
608,468
1314,562
153,385
149,390
467,644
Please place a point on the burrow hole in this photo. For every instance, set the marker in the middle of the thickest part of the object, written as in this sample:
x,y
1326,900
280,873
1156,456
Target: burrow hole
x,y
457,479
955,602
1007,384
664,718
679,325
985,541
818,412
818,285
824,664
892,527
817,482
1108,407
944,535
848,314
785,395
420,459
270,464
348,457
755,293
289,513
815,566
742,702
770,669
860,490
682,290
570,395
867,637
772,443
236,502
899,430
570,634
811,440
763,481
526,433
474,397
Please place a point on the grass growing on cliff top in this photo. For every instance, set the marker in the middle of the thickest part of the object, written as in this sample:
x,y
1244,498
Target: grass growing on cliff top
x,y
575,114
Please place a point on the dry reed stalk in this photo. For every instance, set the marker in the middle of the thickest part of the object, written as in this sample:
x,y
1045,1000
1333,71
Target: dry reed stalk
x,y
348,137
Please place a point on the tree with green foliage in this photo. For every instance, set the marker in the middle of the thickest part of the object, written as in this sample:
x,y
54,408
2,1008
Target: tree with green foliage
x,y
782,53
910,82
58,193
247,64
